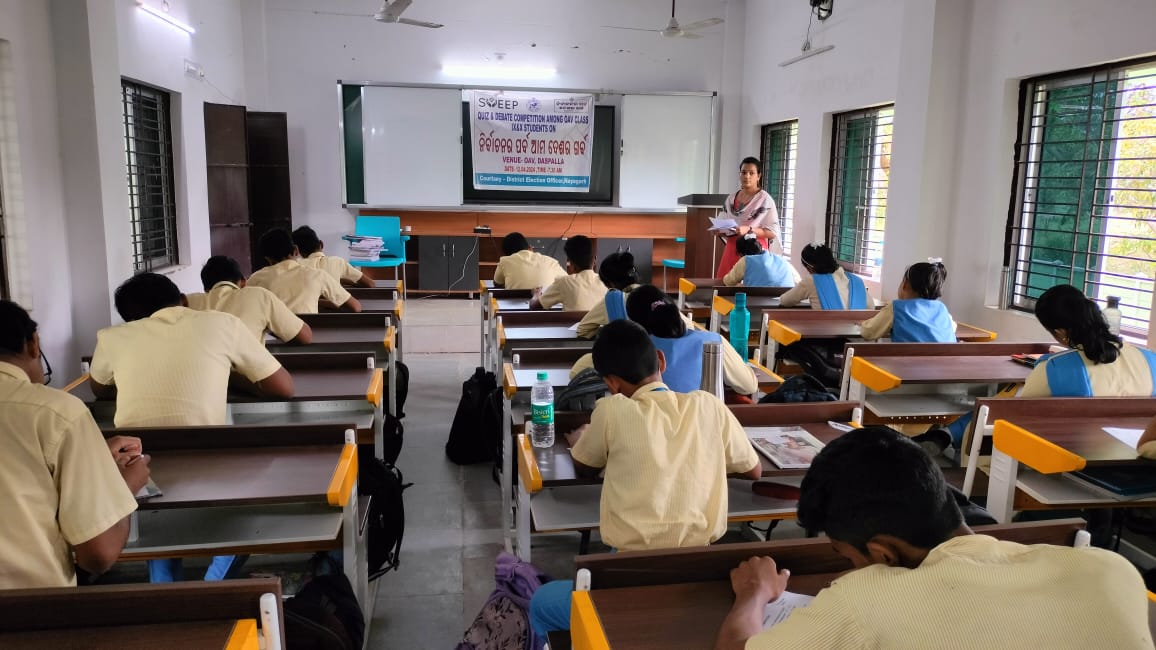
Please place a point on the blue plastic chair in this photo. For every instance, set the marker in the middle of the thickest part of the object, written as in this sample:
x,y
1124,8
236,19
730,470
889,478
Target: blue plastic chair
x,y
393,253
672,263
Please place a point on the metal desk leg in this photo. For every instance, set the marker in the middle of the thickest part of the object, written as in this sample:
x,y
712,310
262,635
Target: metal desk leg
x,y
1001,489
523,522
507,480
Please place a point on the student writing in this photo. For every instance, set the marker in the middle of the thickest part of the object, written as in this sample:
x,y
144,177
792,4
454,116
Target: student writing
x,y
520,267
618,273
666,457
257,307
580,290
311,250
828,286
922,579
61,492
918,316
759,267
299,287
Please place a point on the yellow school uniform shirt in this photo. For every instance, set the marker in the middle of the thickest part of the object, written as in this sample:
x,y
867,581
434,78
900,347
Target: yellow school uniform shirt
x,y
666,456
338,268
172,368
527,270
1127,376
805,290
976,591
299,287
257,308
737,375
59,485
578,292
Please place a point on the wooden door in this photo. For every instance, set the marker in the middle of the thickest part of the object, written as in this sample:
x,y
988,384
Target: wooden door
x,y
269,200
226,158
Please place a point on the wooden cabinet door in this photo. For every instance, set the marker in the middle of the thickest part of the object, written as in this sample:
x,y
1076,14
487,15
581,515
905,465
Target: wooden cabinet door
x,y
226,158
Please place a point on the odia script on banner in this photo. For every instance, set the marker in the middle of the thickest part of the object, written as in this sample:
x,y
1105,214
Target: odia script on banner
x,y
531,141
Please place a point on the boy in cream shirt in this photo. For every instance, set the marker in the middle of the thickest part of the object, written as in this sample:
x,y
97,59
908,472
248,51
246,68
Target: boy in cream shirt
x,y
522,268
579,291
299,287
258,308
666,457
310,247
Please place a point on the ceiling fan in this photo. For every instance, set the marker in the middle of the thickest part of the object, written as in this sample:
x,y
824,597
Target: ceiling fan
x,y
673,29
390,12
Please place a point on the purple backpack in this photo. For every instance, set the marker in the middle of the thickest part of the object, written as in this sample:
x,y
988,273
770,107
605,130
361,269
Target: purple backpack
x,y
504,622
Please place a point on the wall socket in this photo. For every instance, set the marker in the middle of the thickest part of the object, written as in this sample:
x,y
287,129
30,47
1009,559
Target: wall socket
x,y
194,70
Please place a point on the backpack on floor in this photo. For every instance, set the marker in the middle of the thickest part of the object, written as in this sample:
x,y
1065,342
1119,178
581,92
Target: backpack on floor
x,y
799,388
386,526
477,428
582,392
392,440
504,622
324,615
402,386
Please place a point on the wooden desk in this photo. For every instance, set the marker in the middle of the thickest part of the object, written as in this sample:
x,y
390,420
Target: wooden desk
x,y
193,635
343,332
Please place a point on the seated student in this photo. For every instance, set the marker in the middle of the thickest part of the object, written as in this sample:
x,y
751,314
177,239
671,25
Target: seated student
x,y
922,579
299,287
521,268
168,365
759,267
257,308
617,272
666,457
61,492
918,316
829,286
310,247
1100,364
582,289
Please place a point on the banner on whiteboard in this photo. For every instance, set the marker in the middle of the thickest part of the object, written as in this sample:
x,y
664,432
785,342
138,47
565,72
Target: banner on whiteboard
x,y
531,141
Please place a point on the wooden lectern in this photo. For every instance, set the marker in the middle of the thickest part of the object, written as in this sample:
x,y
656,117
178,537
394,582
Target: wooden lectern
x,y
701,261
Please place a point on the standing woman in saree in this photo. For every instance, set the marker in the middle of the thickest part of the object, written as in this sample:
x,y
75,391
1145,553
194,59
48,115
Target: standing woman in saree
x,y
754,210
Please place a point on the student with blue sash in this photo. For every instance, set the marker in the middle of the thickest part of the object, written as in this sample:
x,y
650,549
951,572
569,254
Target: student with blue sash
x,y
917,316
620,276
682,346
829,286
759,267
1099,364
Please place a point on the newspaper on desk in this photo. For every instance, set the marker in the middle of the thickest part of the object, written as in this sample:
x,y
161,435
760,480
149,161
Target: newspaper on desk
x,y
776,612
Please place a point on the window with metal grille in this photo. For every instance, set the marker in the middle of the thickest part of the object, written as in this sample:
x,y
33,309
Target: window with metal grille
x,y
149,161
779,146
857,188
1083,206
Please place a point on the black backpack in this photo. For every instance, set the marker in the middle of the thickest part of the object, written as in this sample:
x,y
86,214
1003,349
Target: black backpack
x,y
799,388
817,359
402,386
324,615
581,393
476,432
386,527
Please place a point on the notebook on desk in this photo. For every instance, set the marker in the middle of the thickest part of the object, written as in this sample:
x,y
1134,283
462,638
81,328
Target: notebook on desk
x,y
1029,360
1122,483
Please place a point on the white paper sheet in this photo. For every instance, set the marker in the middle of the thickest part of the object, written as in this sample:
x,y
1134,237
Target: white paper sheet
x,y
574,327
778,611
1127,436
723,223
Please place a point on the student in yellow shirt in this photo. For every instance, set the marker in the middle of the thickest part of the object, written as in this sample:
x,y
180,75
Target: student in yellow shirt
x,y
169,365
666,457
918,568
258,308
299,287
522,268
310,247
580,290
61,492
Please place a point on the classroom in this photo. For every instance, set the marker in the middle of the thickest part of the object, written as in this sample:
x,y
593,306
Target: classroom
x,y
521,273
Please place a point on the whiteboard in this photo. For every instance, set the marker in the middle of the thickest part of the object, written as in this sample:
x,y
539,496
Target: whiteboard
x,y
413,150
666,146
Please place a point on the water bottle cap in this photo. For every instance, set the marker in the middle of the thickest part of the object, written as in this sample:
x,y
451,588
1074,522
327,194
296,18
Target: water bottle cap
x,y
1113,301
543,376
740,299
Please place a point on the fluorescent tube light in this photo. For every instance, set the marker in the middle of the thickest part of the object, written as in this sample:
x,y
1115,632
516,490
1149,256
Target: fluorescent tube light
x,y
498,71
153,11
806,55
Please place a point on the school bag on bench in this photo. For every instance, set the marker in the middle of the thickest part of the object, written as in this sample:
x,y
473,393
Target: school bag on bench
x,y
477,428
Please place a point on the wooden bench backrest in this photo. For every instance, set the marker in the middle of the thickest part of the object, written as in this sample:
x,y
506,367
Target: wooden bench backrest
x,y
542,317
305,360
155,439
344,319
1068,407
984,349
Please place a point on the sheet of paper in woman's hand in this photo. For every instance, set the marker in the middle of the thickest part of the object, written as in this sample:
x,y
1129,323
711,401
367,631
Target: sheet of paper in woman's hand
x,y
723,223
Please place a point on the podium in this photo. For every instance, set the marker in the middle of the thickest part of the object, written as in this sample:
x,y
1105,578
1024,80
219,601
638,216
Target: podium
x,y
701,260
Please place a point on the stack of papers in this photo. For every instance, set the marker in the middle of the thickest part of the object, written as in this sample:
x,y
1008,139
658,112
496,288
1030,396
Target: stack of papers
x,y
723,224
364,248
777,611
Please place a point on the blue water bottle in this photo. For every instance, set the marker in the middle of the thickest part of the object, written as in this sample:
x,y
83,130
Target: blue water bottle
x,y
740,326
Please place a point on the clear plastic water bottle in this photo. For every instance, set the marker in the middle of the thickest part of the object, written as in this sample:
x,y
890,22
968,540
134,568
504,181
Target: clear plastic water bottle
x,y
740,325
1112,314
542,412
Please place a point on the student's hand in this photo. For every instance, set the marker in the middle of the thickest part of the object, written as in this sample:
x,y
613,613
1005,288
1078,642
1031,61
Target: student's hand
x,y
136,472
124,448
573,436
759,579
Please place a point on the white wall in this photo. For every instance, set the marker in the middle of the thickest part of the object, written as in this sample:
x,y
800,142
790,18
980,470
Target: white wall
x,y
307,54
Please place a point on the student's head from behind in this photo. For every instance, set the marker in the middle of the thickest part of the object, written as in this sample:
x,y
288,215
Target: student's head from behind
x,y
626,358
748,245
653,310
617,270
306,241
277,245
19,342
879,497
923,280
221,268
144,294
1076,321
514,242
819,259
579,253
